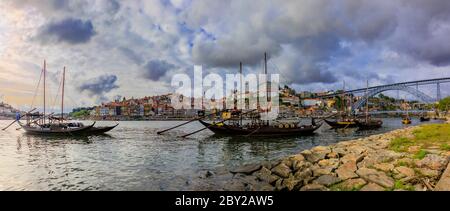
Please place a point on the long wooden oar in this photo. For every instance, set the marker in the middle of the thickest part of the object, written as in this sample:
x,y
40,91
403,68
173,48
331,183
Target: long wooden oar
x,y
18,119
185,123
184,136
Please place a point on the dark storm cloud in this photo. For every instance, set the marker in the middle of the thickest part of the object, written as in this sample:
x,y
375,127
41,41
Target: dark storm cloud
x,y
155,69
99,86
71,31
418,29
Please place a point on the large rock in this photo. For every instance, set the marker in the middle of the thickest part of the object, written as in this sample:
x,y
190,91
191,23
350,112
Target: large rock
x,y
281,170
347,170
266,175
332,163
375,176
352,184
316,154
372,187
313,187
352,158
290,183
426,172
327,180
340,151
303,175
247,169
432,161
319,171
357,149
279,184
386,167
385,156
403,171
332,155
444,182
301,165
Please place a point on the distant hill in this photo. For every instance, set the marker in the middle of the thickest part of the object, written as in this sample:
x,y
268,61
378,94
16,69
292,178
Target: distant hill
x,y
7,111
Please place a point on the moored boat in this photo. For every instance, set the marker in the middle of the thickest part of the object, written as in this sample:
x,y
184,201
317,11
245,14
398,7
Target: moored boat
x,y
261,129
55,129
406,121
340,124
424,119
369,124
100,130
42,124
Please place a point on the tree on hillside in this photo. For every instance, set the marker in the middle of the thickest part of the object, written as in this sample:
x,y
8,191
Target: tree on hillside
x,y
444,104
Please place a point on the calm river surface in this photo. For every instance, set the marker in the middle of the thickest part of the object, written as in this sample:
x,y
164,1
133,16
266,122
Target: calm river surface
x,y
134,157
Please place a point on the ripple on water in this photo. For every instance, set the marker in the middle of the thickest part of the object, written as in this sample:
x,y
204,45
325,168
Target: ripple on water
x,y
134,157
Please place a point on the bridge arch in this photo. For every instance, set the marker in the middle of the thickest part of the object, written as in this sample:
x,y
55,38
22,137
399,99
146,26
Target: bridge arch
x,y
420,95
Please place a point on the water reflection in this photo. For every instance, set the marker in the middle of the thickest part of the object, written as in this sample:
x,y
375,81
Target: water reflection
x,y
134,157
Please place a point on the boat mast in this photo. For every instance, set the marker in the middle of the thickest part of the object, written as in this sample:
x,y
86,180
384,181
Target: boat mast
x,y
44,91
267,87
240,71
62,95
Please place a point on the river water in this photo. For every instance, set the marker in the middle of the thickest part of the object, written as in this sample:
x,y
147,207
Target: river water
x,y
134,157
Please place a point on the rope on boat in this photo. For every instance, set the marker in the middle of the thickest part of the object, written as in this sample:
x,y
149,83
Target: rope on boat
x,y
37,87
189,134
185,123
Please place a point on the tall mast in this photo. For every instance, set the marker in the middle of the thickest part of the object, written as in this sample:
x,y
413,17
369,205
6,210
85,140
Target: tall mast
x,y
62,94
265,72
267,85
240,71
44,89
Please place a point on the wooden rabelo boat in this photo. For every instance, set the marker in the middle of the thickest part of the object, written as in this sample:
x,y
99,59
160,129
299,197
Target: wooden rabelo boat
x,y
233,124
42,124
288,129
342,124
367,123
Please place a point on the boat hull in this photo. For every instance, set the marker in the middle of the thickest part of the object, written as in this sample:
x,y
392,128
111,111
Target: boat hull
x,y
64,132
227,130
99,130
339,125
370,125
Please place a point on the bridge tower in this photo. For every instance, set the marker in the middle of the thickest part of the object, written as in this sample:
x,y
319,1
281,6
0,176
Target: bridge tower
x,y
438,91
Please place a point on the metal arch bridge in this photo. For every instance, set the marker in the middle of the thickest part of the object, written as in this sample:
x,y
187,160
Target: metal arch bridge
x,y
404,86
420,95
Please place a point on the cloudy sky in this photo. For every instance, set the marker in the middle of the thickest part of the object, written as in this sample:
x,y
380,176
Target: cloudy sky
x,y
132,48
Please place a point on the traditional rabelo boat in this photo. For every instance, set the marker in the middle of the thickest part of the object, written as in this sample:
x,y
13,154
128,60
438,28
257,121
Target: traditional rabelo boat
x,y
234,124
42,124
343,120
367,123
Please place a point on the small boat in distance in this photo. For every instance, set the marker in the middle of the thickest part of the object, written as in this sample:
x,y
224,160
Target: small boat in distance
x,y
406,121
425,119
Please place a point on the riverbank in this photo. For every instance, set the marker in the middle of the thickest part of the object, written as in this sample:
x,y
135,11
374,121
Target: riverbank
x,y
412,158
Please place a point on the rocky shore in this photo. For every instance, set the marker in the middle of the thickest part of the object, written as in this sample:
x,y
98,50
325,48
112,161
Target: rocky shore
x,y
366,164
